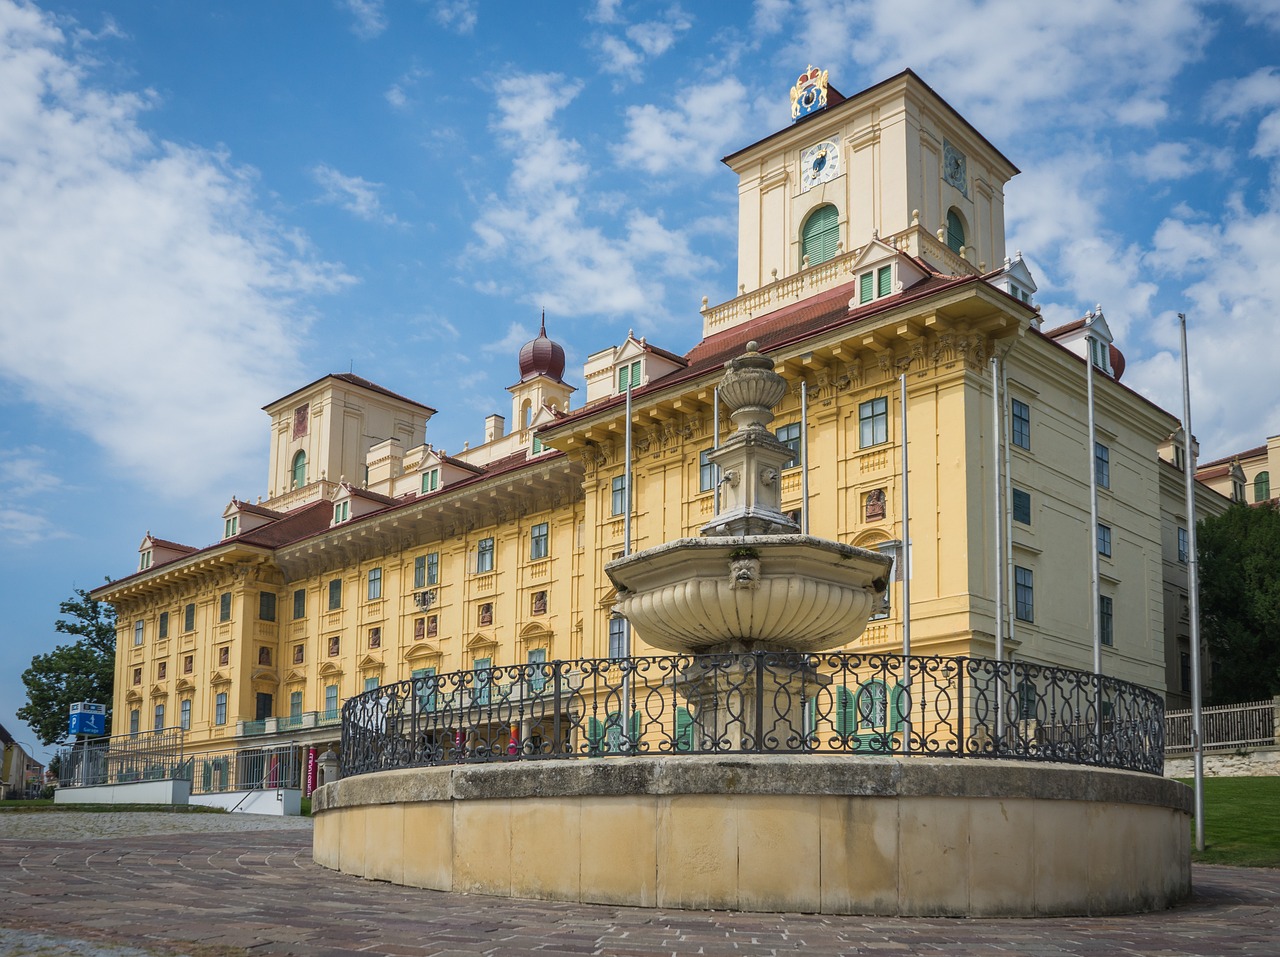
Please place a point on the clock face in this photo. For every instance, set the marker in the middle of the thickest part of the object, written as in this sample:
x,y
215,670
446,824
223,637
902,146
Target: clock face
x,y
953,168
819,164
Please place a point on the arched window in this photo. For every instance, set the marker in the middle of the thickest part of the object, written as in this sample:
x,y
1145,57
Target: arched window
x,y
955,231
299,470
820,238
1262,487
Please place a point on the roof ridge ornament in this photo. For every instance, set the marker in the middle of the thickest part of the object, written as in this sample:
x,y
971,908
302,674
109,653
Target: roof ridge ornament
x,y
810,92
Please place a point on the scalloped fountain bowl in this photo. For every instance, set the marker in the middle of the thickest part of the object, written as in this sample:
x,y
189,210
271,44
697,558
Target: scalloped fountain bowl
x,y
793,592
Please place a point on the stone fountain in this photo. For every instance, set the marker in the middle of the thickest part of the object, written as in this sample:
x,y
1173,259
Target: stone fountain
x,y
751,590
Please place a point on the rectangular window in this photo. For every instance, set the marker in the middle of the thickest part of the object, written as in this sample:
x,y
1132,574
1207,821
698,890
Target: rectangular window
x,y
789,435
138,629
375,637
1106,620
884,281
370,684
629,375
331,701
164,625
1184,545
224,606
1021,425
420,571
1102,465
184,715
618,496
484,556
299,603
341,511
375,584
267,606
539,541
617,637
873,422
335,594
537,669
706,472
135,719
1024,594
433,568
425,687
482,679
866,287
231,526
157,721
189,617
430,480
295,704
220,708
144,561
1104,540
1021,506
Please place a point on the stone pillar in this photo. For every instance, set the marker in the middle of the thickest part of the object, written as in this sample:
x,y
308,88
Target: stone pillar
x,y
329,767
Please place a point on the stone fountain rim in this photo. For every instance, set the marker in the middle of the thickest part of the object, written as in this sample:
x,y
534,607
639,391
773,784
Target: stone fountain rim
x,y
728,544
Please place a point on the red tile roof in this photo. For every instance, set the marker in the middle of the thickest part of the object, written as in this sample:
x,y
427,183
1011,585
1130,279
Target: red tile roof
x,y
1253,453
360,382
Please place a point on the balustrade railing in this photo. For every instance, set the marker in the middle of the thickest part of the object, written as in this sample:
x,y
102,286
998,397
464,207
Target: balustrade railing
x,y
771,703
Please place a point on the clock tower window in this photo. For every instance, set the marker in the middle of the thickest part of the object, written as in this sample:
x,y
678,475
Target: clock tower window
x,y
955,231
820,237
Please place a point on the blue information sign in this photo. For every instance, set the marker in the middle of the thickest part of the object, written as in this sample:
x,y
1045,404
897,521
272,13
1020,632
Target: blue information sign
x,y
88,717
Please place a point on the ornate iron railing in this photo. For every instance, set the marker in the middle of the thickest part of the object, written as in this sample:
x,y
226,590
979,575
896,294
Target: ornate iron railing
x,y
772,703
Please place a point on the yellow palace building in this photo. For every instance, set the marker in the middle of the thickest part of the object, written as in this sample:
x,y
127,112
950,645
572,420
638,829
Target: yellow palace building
x,y
871,245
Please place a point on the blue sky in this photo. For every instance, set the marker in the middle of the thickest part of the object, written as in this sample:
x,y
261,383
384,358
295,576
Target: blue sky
x,y
205,206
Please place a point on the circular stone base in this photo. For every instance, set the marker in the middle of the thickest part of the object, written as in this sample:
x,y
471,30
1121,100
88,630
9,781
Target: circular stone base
x,y
812,833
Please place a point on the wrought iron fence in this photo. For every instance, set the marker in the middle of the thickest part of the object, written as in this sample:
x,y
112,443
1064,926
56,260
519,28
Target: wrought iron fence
x,y
123,758
1224,727
772,703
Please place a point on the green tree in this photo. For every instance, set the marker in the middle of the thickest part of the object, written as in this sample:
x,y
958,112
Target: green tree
x,y
81,671
1239,563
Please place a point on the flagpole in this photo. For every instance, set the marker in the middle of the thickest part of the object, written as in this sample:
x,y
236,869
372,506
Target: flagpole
x,y
804,457
626,550
1193,590
1094,571
906,571
998,535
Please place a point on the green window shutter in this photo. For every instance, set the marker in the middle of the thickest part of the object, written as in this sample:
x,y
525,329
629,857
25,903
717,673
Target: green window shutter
x,y
684,730
820,238
595,735
846,722
884,281
864,288
955,231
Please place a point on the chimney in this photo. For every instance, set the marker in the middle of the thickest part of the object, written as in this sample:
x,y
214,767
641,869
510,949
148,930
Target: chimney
x,y
494,427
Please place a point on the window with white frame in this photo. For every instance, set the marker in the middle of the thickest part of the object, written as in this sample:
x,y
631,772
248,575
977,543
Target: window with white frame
x,y
484,556
1184,545
341,511
144,560
617,637
231,526
618,495
138,630
706,472
375,584
430,480
539,541
220,708
1021,431
629,376
873,422
875,284
789,435
1102,465
184,714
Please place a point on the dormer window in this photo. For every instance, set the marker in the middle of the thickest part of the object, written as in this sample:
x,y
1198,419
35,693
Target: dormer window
x,y
629,376
430,480
341,511
1098,354
231,527
875,284
144,561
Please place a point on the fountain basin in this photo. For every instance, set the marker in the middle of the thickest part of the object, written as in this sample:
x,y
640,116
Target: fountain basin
x,y
798,592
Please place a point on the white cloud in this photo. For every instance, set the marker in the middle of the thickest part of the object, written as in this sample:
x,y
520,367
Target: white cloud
x,y
459,16
27,471
1176,161
615,266
643,41
136,271
398,93
693,134
606,11
356,195
370,19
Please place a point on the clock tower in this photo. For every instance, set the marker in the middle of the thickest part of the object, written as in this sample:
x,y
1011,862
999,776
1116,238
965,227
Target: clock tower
x,y
894,163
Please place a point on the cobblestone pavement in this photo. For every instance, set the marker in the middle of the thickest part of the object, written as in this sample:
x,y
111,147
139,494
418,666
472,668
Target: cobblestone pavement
x,y
224,886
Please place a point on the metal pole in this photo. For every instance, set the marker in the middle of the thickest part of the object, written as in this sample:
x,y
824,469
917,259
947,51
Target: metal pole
x,y
998,535
1094,572
715,444
804,457
1193,590
1011,623
906,569
626,550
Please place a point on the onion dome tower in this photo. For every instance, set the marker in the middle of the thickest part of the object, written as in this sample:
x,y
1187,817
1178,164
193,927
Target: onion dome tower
x,y
541,356
541,390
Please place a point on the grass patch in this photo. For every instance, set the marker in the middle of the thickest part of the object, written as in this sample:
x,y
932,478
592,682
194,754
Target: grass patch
x,y
1241,826
20,807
